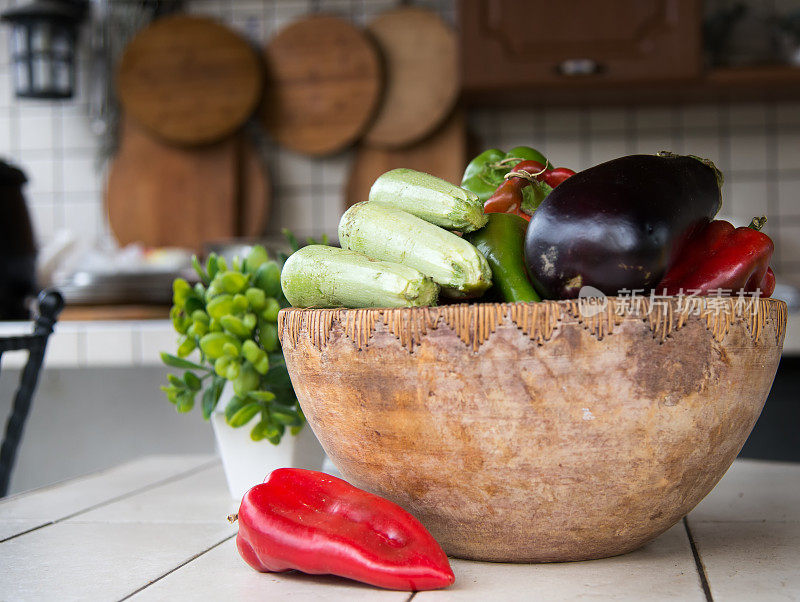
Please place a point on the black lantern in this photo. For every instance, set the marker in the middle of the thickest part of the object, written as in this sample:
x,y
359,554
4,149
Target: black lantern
x,y
43,40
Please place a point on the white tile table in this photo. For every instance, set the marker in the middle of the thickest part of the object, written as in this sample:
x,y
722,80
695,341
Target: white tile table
x,y
155,529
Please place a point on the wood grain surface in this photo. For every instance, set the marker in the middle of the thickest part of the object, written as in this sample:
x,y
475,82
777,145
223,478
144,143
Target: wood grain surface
x,y
162,195
189,80
421,57
254,190
323,85
443,154
537,432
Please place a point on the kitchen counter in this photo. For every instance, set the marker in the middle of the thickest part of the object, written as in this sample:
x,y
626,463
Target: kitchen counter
x,y
155,529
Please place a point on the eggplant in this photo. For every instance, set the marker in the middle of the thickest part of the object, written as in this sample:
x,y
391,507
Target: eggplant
x,y
619,225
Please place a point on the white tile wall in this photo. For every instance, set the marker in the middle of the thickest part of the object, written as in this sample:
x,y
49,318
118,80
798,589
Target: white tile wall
x,y
756,144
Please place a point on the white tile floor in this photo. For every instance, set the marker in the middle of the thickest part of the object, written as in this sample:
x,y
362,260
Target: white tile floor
x,y
155,530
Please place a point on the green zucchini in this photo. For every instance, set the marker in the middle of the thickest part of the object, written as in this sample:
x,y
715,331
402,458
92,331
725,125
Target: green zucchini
x,y
322,276
389,234
430,198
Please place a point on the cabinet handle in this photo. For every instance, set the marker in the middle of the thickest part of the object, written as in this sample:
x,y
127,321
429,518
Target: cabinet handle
x,y
579,67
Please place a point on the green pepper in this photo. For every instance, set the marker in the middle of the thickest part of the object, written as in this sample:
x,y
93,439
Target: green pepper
x,y
501,241
486,171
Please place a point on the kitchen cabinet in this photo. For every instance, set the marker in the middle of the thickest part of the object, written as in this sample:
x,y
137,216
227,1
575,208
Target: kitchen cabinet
x,y
535,52
512,43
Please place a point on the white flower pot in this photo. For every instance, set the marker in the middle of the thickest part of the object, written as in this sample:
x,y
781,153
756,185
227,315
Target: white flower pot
x,y
247,462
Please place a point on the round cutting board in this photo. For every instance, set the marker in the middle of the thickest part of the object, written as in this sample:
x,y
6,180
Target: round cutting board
x,y
254,190
323,85
163,195
421,58
189,80
443,154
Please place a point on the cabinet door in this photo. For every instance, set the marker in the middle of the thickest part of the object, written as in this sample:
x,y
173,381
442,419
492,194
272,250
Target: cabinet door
x,y
517,44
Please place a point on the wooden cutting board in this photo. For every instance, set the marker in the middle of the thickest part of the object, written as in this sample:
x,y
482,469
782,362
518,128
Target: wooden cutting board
x,y
421,58
254,191
323,85
161,195
189,80
443,154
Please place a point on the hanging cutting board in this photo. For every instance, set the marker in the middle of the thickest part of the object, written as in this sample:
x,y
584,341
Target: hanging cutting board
x,y
254,192
443,154
161,195
323,85
421,58
189,80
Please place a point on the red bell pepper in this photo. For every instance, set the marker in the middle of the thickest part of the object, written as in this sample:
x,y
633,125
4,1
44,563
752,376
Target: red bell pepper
x,y
525,187
315,523
722,257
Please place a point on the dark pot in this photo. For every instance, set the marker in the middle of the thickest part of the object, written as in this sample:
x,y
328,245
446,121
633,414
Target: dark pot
x,y
17,247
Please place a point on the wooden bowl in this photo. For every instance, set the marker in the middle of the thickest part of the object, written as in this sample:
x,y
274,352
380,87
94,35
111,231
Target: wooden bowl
x,y
537,432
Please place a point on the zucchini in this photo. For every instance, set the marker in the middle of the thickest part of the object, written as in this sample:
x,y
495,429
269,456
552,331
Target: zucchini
x,y
322,276
430,198
389,234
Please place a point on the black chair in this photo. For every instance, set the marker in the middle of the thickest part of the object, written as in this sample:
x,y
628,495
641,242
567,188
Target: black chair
x,y
50,305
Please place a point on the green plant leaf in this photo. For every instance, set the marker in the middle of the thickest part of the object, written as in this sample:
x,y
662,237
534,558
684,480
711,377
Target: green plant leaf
x,y
261,395
199,269
286,417
177,362
176,382
245,414
294,244
277,381
185,402
234,405
211,265
257,432
211,396
256,256
192,381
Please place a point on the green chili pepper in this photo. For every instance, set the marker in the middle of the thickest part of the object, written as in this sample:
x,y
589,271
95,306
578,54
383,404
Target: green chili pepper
x,y
486,171
501,241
